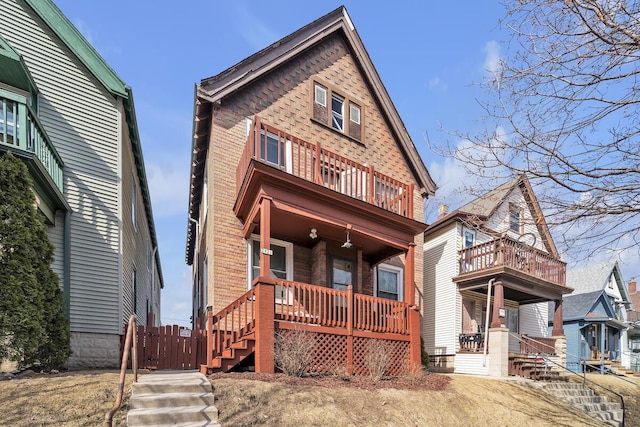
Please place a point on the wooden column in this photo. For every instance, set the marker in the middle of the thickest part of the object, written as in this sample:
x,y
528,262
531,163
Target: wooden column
x,y
350,330
558,328
409,274
265,237
498,303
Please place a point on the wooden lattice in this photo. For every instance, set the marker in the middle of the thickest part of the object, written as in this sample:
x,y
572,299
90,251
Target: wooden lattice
x,y
330,353
399,357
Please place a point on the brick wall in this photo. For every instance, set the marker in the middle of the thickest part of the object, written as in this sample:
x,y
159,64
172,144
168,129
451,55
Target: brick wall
x,y
283,99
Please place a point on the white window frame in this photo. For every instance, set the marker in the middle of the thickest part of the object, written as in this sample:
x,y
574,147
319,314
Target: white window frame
x,y
335,114
288,257
393,269
466,231
320,95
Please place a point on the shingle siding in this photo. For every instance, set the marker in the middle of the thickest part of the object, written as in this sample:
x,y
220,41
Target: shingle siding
x,y
283,98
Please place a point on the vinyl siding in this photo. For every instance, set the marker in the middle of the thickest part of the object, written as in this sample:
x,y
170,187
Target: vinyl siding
x,y
534,319
56,237
499,221
82,120
136,245
442,302
473,364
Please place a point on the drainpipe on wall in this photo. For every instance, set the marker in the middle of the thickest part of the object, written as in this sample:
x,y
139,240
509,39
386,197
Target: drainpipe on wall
x,y
486,322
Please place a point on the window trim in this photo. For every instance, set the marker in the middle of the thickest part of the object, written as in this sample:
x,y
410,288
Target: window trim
x,y
514,208
347,103
466,231
323,90
394,269
357,108
288,257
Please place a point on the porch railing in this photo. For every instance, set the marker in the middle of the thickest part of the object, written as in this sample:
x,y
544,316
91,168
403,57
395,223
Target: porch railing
x,y
313,163
537,345
509,253
20,129
236,320
317,305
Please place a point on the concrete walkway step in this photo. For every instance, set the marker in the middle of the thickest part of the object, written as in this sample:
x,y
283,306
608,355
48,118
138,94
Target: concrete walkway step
x,y
172,398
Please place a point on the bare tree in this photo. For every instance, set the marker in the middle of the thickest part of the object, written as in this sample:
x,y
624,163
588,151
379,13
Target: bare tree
x,y
565,102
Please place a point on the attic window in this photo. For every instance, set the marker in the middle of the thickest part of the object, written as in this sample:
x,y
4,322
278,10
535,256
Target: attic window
x,y
344,115
515,218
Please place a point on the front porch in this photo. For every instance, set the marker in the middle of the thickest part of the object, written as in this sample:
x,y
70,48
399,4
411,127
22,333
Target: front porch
x,y
343,324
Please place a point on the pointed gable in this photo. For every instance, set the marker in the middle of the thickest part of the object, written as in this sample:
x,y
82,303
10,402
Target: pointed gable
x,y
605,277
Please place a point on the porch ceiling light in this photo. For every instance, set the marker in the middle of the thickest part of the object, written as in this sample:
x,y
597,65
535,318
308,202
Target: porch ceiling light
x,y
347,244
313,234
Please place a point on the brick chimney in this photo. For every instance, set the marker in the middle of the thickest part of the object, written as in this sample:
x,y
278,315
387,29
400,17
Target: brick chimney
x,y
443,210
632,286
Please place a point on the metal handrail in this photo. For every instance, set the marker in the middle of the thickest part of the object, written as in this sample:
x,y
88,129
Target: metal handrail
x,y
584,375
130,342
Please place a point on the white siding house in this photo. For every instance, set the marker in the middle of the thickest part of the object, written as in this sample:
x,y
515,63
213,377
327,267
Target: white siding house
x,y
87,114
494,251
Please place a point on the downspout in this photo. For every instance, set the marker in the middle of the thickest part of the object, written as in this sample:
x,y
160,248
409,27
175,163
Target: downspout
x,y
153,284
486,323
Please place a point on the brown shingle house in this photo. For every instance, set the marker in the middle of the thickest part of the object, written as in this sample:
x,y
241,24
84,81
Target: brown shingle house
x,y
306,205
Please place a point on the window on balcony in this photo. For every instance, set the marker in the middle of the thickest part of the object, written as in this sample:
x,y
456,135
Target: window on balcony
x,y
9,121
388,282
342,273
344,114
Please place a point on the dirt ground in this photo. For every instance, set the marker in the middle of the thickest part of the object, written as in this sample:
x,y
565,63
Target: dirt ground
x,y
83,398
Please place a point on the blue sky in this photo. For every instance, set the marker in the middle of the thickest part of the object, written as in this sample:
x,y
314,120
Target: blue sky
x,y
428,54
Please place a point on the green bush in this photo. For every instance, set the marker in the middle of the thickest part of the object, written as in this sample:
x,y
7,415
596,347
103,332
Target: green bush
x,y
34,330
423,354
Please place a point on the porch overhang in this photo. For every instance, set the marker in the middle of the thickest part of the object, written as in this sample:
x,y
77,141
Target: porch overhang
x,y
518,286
299,205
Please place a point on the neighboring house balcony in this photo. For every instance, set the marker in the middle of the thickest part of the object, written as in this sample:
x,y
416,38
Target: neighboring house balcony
x,y
23,135
523,266
312,163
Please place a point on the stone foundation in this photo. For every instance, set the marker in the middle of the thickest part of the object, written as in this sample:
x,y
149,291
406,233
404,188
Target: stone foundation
x,y
561,349
90,351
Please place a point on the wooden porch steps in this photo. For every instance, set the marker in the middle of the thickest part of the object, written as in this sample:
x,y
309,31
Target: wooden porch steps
x,y
231,356
534,367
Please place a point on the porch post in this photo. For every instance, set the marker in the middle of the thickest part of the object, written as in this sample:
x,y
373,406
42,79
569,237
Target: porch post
x,y
350,330
265,328
409,275
558,328
498,303
602,335
265,237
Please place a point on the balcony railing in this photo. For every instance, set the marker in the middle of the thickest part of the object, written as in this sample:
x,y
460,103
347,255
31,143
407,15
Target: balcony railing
x,y
313,163
21,130
509,253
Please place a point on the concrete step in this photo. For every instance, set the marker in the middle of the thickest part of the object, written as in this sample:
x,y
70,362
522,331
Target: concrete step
x,y
145,417
586,399
172,398
157,400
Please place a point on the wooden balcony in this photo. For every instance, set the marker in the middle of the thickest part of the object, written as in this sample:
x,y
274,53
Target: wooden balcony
x,y
22,133
529,273
311,162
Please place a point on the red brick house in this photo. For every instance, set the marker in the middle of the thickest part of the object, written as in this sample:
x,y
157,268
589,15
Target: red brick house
x,y
306,205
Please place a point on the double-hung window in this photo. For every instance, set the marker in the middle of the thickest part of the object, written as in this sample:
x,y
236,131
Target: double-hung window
x,y
388,282
515,218
343,114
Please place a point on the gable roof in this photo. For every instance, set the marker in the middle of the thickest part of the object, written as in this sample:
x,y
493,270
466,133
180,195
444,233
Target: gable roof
x,y
596,278
213,89
576,307
90,58
482,207
14,71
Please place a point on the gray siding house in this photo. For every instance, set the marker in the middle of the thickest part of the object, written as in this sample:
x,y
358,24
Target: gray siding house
x,y
69,116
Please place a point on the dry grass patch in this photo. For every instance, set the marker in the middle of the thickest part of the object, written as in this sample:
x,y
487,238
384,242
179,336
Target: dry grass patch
x,y
434,400
66,399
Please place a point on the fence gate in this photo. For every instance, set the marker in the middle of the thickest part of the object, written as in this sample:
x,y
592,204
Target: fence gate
x,y
171,347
